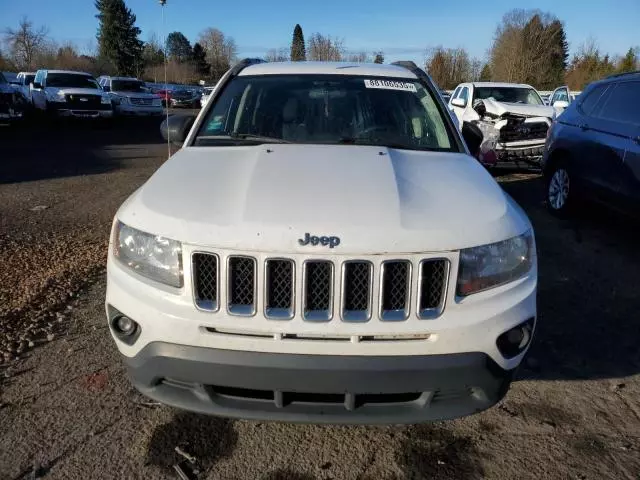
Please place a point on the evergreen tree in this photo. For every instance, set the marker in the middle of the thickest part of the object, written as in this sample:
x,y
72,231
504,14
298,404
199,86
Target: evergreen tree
x,y
485,74
628,62
379,57
298,50
199,58
558,55
118,36
178,47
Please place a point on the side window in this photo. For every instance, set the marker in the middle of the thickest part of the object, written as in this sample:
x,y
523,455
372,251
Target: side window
x,y
622,104
455,94
589,101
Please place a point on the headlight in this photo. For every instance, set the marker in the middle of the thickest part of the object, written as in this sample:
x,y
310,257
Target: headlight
x,y
495,264
152,256
57,96
105,100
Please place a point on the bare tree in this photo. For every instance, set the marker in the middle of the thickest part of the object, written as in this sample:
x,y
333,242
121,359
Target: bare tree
x,y
326,49
278,55
449,66
359,57
25,43
221,50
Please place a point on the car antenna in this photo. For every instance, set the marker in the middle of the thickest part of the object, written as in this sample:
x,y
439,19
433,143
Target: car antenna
x,y
166,91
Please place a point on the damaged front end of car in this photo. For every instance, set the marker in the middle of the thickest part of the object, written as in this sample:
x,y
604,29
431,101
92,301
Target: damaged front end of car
x,y
513,136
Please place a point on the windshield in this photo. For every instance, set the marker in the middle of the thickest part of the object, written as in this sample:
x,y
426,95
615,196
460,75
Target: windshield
x,y
28,79
508,94
71,80
327,109
135,86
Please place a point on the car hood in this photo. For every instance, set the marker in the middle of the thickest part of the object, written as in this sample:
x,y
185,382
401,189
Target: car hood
x,y
500,108
377,200
75,91
136,94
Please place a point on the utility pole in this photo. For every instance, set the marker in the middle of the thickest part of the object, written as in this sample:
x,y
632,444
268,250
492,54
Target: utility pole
x,y
166,93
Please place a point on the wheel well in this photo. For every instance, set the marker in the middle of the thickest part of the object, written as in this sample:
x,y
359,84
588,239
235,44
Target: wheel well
x,y
556,157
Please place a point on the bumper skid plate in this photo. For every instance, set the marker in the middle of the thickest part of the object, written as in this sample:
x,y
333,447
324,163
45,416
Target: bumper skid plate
x,y
318,388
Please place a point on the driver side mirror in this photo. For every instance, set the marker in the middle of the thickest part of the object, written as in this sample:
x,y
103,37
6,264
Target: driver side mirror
x,y
459,102
560,104
106,88
473,137
176,128
37,85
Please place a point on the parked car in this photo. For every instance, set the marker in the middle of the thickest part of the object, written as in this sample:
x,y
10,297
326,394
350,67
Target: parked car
x,y
12,102
593,149
164,94
322,248
561,98
130,96
23,83
65,93
206,92
185,98
513,115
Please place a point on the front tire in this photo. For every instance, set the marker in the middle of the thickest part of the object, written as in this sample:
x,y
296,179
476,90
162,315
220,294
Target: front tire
x,y
560,190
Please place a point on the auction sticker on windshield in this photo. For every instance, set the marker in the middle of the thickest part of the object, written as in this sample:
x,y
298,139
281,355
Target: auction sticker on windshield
x,y
390,85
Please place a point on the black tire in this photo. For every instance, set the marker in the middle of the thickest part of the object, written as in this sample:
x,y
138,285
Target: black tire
x,y
560,189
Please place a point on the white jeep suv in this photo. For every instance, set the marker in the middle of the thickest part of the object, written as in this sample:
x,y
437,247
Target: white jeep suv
x,y
130,97
323,248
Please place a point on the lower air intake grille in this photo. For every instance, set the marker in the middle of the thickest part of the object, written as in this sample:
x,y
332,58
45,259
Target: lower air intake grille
x,y
356,291
205,280
432,288
242,285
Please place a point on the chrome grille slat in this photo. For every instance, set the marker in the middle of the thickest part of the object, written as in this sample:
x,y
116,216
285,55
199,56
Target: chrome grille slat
x,y
241,285
317,290
279,288
205,280
357,278
395,290
433,279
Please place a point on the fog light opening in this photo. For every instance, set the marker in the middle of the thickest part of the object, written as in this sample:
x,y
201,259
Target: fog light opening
x,y
124,325
513,342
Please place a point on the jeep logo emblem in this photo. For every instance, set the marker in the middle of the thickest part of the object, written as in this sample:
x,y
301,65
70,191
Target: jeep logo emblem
x,y
314,240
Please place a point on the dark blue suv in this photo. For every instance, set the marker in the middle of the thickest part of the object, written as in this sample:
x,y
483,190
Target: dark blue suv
x,y
593,148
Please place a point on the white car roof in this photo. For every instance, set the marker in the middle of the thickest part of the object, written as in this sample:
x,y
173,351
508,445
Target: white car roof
x,y
501,84
328,68
26,73
132,79
73,72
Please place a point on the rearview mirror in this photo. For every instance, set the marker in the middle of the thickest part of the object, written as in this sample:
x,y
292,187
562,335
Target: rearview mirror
x,y
459,102
472,137
560,104
176,128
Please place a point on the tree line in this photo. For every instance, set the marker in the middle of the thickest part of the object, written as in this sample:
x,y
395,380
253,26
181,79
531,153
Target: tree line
x,y
529,46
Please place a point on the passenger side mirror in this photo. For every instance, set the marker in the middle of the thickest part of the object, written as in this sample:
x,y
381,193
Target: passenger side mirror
x,y
472,137
176,128
560,104
459,102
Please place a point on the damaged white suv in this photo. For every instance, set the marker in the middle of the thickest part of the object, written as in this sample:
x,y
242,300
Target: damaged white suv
x,y
512,117
323,248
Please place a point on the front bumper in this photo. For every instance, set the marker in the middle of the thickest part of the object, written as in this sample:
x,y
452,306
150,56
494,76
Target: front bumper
x,y
73,113
139,111
184,103
318,388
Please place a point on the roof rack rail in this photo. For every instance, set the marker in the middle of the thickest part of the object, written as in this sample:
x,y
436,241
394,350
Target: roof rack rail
x,y
244,63
615,75
408,64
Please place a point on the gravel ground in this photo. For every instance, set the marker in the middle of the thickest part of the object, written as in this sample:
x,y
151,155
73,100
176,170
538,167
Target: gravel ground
x,y
67,410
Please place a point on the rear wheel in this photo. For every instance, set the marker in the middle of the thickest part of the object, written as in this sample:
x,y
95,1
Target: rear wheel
x,y
560,190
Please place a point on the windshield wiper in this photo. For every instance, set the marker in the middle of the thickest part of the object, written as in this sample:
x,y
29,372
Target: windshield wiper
x,y
256,138
374,142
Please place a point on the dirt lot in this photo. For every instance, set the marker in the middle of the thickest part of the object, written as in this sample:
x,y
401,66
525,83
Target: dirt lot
x,y
68,412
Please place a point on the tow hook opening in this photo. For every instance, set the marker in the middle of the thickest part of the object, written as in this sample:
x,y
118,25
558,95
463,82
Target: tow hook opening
x,y
514,341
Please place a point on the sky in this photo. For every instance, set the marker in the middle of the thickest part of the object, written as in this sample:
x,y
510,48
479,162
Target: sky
x,y
404,30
